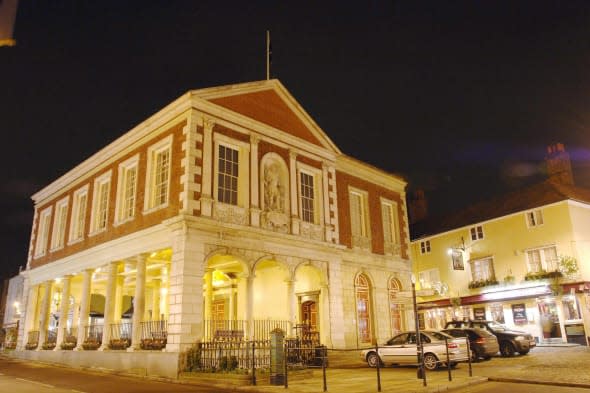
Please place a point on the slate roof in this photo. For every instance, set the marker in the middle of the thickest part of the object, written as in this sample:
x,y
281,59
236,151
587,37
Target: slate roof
x,y
527,198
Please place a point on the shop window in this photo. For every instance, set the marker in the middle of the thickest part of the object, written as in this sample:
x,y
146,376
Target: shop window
x,y
571,309
497,312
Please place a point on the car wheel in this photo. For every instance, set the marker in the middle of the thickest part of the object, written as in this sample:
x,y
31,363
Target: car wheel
x,y
430,361
524,352
506,349
474,356
373,360
487,357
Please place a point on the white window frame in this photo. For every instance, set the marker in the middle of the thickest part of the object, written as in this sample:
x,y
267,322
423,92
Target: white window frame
x,y
490,269
476,233
534,218
316,175
425,247
98,203
391,232
243,168
58,234
547,265
150,204
43,232
428,278
122,207
78,210
360,238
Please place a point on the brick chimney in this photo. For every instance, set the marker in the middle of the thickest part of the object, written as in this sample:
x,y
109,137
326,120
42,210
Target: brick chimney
x,y
559,167
418,207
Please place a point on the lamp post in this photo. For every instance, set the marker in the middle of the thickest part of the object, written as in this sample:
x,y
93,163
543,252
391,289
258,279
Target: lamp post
x,y
419,348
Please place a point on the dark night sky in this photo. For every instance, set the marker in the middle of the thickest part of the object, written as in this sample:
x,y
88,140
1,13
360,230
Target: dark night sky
x,y
459,97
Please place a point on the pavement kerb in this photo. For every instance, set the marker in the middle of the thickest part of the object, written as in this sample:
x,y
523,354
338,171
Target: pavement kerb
x,y
537,382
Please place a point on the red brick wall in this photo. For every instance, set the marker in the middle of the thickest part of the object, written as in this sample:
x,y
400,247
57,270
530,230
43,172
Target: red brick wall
x,y
375,192
140,221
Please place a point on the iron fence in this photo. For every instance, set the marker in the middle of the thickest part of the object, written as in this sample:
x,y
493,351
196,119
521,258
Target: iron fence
x,y
92,336
32,339
154,334
10,335
121,334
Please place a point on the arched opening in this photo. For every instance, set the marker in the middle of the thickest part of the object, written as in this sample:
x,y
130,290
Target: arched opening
x,y
396,307
363,308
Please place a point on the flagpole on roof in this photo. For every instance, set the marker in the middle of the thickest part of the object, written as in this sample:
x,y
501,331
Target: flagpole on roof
x,y
268,54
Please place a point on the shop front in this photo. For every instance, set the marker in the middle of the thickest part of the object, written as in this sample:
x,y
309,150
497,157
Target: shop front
x,y
534,309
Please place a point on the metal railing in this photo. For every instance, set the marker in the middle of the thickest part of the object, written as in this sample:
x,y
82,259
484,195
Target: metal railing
x,y
227,355
50,339
11,335
224,329
92,336
70,338
121,334
154,334
32,339
262,328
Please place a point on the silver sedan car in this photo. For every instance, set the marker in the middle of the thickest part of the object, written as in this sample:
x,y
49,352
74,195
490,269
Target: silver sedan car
x,y
402,349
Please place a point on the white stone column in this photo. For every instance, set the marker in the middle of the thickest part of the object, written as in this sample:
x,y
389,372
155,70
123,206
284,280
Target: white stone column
x,y
292,300
44,317
232,302
119,292
156,285
324,309
254,182
250,305
84,307
185,292
337,297
326,210
138,302
208,294
293,190
31,313
109,305
64,311
207,174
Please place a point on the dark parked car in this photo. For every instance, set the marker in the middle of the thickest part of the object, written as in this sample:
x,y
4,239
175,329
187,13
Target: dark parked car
x,y
482,344
510,341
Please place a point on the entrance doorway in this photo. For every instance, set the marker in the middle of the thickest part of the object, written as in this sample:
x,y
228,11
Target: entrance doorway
x,y
218,314
309,315
549,319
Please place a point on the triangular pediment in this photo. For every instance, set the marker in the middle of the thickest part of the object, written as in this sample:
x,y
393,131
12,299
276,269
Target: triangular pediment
x,y
268,102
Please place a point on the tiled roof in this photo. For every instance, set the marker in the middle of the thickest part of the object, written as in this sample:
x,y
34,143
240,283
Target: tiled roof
x,y
533,196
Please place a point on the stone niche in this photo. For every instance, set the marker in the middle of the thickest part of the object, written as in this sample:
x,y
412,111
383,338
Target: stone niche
x,y
274,191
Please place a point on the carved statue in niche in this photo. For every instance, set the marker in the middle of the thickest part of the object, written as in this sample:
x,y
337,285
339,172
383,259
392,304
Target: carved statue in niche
x,y
276,201
274,190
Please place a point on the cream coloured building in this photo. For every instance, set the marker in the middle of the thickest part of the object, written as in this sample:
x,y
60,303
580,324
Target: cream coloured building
x,y
229,211
506,259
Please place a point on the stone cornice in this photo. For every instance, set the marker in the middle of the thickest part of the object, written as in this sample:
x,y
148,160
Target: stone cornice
x,y
365,171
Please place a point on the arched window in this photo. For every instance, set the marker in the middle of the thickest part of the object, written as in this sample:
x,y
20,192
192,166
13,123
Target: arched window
x,y
363,308
396,308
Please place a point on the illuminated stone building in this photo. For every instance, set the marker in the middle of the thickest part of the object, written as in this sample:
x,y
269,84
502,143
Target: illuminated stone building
x,y
228,211
509,259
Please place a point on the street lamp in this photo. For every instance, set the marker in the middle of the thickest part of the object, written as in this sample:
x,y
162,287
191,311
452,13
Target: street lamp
x,y
419,347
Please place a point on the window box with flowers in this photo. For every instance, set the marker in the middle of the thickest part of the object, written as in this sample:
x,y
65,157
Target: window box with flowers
x,y
542,275
482,283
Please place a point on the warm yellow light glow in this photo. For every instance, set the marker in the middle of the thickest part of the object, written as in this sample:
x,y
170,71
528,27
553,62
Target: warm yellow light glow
x,y
219,278
163,291
57,280
16,304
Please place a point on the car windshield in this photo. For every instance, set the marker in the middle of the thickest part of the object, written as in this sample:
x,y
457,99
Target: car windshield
x,y
440,336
